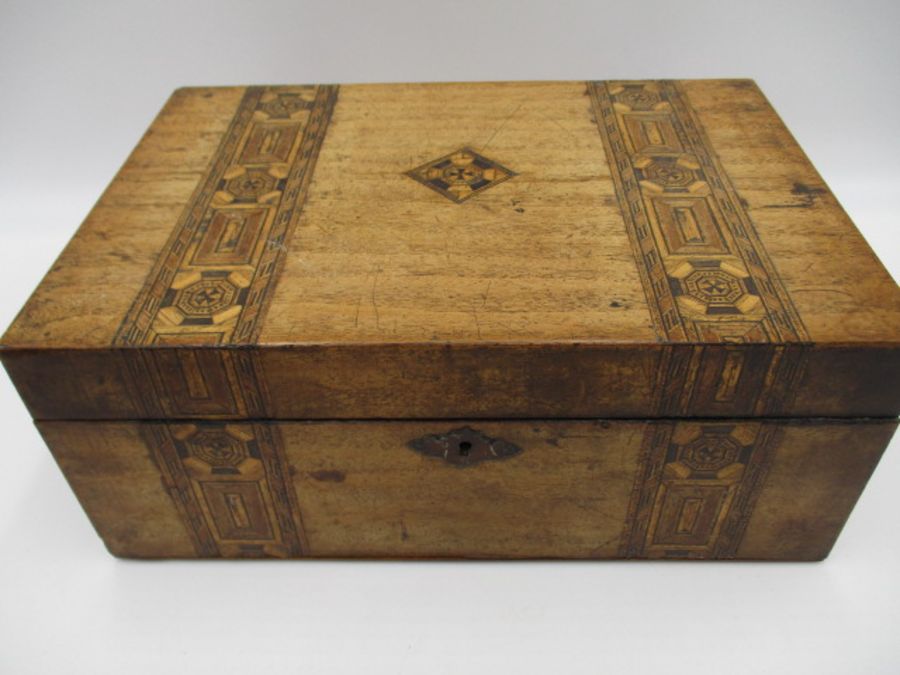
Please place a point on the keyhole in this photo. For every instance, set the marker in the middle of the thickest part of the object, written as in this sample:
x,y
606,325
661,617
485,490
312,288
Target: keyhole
x,y
464,447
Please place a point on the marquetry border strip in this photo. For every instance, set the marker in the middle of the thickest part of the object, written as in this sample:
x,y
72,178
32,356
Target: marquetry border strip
x,y
232,487
137,324
179,488
732,532
289,209
705,272
727,380
696,487
213,279
709,283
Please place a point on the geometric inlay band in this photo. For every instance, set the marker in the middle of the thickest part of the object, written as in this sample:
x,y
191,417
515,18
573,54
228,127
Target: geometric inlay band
x,y
213,279
696,488
709,283
232,487
705,272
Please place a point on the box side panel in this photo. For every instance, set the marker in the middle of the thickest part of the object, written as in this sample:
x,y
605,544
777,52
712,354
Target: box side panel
x,y
713,489
111,470
814,481
848,382
68,384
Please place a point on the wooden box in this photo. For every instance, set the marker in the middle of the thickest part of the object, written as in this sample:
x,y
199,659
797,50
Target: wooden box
x,y
516,320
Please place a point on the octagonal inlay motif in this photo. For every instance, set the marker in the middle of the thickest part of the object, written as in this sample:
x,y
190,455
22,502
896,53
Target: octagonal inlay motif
x,y
251,185
710,453
206,297
285,106
672,174
714,287
217,448
637,97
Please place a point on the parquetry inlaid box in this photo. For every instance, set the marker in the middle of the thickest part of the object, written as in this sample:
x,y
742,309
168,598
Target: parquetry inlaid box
x,y
562,319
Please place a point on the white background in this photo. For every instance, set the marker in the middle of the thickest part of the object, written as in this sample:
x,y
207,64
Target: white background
x,y
79,84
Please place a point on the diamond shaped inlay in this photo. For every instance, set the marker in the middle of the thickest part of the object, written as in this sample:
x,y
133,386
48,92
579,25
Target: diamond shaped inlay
x,y
461,174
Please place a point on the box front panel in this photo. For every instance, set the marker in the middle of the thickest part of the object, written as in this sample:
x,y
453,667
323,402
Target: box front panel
x,y
712,489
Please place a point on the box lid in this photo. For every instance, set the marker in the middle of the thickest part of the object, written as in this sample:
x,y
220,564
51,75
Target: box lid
x,y
525,249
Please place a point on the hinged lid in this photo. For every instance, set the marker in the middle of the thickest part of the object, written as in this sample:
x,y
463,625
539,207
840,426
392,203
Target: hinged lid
x,y
562,249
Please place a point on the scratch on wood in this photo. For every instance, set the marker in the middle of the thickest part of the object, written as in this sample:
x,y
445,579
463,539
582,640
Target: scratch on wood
x,y
356,318
487,291
500,126
556,123
813,289
374,301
